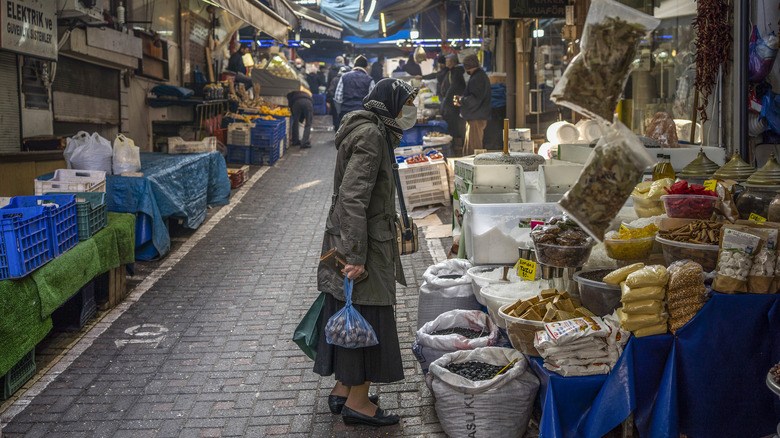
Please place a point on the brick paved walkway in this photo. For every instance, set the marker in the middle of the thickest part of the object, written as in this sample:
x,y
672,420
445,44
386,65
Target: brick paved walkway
x,y
206,350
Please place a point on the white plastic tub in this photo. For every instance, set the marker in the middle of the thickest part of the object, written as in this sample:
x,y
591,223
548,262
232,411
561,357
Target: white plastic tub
x,y
500,294
482,276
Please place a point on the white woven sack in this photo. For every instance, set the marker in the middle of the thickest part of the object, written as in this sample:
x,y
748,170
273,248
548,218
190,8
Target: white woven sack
x,y
496,408
439,295
428,348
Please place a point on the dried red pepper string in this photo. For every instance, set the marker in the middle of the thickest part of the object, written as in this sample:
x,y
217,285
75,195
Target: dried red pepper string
x,y
713,46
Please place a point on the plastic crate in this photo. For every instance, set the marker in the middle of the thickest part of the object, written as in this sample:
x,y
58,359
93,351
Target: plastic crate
x,y
75,313
91,212
61,221
424,184
239,154
414,136
72,180
318,99
264,156
176,145
320,110
24,241
19,374
238,176
239,134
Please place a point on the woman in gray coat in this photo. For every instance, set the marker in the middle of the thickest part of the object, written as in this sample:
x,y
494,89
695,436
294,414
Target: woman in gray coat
x,y
361,225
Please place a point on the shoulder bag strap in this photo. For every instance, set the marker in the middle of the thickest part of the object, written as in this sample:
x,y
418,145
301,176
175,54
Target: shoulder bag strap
x,y
408,235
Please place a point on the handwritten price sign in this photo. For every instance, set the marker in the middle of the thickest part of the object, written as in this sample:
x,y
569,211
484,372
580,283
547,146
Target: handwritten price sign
x,y
526,269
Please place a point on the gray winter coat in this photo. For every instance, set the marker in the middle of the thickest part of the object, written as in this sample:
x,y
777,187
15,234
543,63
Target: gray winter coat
x,y
361,222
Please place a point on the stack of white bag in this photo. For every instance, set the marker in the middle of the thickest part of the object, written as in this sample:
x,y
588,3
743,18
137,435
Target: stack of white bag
x,y
581,346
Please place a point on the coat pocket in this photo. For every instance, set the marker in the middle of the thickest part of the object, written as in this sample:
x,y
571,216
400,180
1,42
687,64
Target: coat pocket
x,y
381,231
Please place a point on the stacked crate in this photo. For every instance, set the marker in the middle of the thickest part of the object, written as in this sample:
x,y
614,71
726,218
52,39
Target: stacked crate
x,y
268,139
320,108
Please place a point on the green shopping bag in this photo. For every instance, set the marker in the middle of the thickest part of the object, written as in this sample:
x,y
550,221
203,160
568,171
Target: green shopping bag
x,y
307,334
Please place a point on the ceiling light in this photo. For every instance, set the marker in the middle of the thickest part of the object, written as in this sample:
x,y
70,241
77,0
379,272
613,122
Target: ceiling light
x,y
414,34
370,11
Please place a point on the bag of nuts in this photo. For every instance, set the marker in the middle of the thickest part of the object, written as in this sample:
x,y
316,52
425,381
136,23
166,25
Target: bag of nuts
x,y
738,245
347,328
762,276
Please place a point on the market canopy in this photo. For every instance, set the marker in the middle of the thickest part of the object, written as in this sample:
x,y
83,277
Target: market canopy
x,y
397,14
257,15
313,21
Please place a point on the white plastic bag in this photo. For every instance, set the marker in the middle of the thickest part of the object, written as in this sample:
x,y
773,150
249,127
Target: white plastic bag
x,y
447,286
127,156
427,347
89,152
498,408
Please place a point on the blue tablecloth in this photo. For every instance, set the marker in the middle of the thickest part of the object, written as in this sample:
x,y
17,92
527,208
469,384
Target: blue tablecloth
x,y
705,381
178,186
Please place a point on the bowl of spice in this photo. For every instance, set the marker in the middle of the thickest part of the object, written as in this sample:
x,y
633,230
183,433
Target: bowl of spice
x,y
630,243
689,206
598,297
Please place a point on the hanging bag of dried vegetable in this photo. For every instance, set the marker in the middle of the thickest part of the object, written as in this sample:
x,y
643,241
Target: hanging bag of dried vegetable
x,y
613,169
594,80
347,328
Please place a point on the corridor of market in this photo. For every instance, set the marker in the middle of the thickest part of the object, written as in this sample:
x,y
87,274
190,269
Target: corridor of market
x,y
202,346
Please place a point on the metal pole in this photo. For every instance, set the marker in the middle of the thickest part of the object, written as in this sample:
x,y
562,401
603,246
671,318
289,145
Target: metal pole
x,y
509,63
742,41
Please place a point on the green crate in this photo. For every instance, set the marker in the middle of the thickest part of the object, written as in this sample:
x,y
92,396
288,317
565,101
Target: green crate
x,y
19,374
91,212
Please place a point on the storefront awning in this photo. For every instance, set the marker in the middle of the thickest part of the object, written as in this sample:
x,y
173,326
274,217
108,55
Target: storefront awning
x,y
315,22
257,15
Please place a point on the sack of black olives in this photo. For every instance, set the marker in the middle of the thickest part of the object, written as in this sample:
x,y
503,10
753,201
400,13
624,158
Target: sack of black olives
x,y
614,167
452,331
594,80
347,328
483,392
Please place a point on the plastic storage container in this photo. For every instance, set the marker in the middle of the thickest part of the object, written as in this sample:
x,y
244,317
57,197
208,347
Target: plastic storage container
x,y
239,134
598,297
495,224
75,313
424,184
690,206
644,207
19,374
177,145
71,180
498,295
61,223
521,332
24,241
91,213
705,255
629,249
480,278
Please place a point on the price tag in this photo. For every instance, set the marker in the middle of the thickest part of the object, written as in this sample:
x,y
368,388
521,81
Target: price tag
x,y
526,269
710,184
756,218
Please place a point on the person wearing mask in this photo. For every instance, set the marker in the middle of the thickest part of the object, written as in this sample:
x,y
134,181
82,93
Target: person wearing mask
x,y
236,65
330,93
411,67
302,109
453,84
474,104
378,69
353,87
361,225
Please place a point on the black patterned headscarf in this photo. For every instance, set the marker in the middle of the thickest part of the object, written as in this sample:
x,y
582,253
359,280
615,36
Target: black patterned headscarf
x,y
387,99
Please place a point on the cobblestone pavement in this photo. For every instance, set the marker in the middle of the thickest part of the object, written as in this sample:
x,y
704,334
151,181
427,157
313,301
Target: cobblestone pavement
x,y
203,347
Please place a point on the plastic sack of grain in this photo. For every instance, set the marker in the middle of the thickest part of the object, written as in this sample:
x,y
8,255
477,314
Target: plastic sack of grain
x,y
447,286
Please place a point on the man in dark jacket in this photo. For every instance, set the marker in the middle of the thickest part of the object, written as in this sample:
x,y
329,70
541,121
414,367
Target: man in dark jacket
x,y
335,68
302,109
236,65
378,69
474,104
411,67
333,108
453,85
353,87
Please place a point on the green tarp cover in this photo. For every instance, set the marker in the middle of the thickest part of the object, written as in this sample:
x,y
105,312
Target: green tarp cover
x,y
26,304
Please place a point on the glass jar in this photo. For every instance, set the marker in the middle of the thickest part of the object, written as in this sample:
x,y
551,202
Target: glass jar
x,y
755,199
774,209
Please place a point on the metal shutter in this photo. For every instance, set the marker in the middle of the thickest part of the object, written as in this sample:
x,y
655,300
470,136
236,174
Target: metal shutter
x,y
85,93
10,118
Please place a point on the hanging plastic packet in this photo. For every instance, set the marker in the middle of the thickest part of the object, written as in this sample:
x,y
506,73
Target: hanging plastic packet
x,y
594,80
761,278
570,330
612,171
738,244
761,55
347,328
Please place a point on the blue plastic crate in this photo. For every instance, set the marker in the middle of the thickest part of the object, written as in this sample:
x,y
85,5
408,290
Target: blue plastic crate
x,y
24,242
318,99
263,156
91,214
320,110
239,154
61,219
414,136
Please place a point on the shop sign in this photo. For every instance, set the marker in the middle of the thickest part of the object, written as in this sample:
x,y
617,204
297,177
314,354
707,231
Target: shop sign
x,y
537,8
29,27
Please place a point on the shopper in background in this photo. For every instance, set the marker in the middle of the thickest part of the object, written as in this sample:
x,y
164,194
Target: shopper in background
x,y
440,71
236,65
330,93
353,87
335,68
474,104
302,109
400,68
378,69
361,226
412,67
453,85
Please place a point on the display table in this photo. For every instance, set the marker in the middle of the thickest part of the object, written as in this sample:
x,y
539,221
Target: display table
x,y
26,304
705,381
172,186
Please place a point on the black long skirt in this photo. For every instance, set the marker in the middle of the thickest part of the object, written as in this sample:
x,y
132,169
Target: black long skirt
x,y
355,366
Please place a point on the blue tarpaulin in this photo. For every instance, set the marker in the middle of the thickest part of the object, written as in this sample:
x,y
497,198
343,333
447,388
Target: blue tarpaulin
x,y
497,95
708,380
178,186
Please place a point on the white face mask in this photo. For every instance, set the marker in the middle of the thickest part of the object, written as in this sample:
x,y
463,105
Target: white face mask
x,y
408,117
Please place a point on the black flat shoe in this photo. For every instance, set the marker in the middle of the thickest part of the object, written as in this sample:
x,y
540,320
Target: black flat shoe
x,y
336,402
380,418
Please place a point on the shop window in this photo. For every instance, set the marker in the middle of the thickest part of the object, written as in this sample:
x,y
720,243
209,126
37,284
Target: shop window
x,y
35,75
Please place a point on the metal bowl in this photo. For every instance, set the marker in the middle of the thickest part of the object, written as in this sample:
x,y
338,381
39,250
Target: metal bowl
x,y
772,385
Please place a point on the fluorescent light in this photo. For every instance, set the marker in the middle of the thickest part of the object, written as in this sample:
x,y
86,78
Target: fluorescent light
x,y
370,11
382,21
538,33
414,34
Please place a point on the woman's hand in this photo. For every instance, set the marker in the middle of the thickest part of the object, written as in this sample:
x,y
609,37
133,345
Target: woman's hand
x,y
353,271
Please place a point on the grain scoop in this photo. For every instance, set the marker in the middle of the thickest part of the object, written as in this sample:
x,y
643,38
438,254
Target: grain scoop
x,y
526,160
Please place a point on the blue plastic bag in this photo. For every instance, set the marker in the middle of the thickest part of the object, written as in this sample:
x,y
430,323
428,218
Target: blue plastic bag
x,y
347,328
761,55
